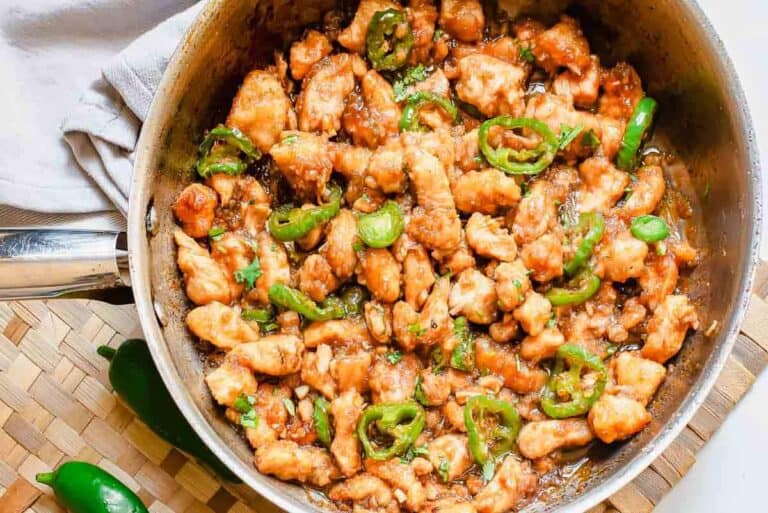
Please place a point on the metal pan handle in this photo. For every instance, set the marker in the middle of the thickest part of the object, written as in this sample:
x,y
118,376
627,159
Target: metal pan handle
x,y
50,263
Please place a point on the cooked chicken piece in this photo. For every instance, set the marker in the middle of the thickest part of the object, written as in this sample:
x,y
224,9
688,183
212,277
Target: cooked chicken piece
x,y
394,383
436,223
378,317
418,276
308,51
351,162
224,185
540,438
667,328
485,191
621,257
254,205
230,380
646,192
221,325
315,371
505,330
353,37
305,161
261,109
474,296
339,249
487,237
367,492
562,46
456,261
289,322
345,447
194,208
454,415
504,48
544,257
514,480
385,171
316,279
233,253
534,313
535,348
622,90
276,355
335,332
525,29
512,284
429,327
400,476
463,19
206,280
380,272
582,89
325,89
493,86
503,361
452,505
632,314
372,117
436,83
351,371
436,387
636,376
271,412
468,156
450,452
273,260
616,417
290,462
315,235
602,185
536,213
658,280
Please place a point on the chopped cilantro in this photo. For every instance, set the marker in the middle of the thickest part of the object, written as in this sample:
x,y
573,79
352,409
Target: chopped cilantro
x,y
216,232
568,134
249,274
408,78
590,139
358,246
416,329
418,392
290,139
463,356
394,357
244,405
250,419
551,322
517,283
437,35
443,469
526,53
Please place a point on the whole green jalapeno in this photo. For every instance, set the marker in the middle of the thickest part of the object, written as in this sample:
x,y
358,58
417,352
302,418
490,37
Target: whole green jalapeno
x,y
287,223
389,40
380,229
402,422
519,162
564,395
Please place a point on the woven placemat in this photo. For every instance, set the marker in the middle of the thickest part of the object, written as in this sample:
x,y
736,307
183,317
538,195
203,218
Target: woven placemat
x,y
56,404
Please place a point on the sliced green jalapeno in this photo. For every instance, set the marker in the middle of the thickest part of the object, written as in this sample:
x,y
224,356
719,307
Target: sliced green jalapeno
x,y
592,226
225,157
389,40
322,422
492,427
353,298
400,422
380,229
579,289
564,396
519,162
287,297
287,223
463,355
638,125
409,120
649,228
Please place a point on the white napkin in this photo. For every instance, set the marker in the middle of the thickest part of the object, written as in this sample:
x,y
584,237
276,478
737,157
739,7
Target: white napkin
x,y
50,51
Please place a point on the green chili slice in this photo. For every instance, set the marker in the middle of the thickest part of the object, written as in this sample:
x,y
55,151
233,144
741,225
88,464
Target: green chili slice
x,y
395,425
389,40
287,297
565,396
380,229
638,125
409,120
519,162
322,422
592,226
353,298
463,355
490,437
287,223
579,289
649,228
225,157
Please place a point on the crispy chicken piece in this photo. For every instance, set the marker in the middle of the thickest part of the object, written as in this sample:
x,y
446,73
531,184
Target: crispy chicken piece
x,y
340,246
535,348
224,185
463,19
400,476
485,191
345,447
273,260
505,330
254,205
308,51
380,272
371,118
232,252
316,278
315,370
538,439
493,86
453,450
602,185
514,480
429,327
418,276
261,109
351,162
436,83
503,361
534,313
194,208
562,46
221,325
290,462
422,15
368,493
229,380
353,37
467,152
512,284
621,257
658,280
667,328
616,417
636,376
487,237
206,280
473,296
323,95
305,161
335,332
582,89
351,371
544,257
436,387
378,318
385,170
276,355
535,214
393,383
622,90
646,192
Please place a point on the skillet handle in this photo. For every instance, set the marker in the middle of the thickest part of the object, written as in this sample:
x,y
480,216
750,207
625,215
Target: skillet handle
x,y
50,263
